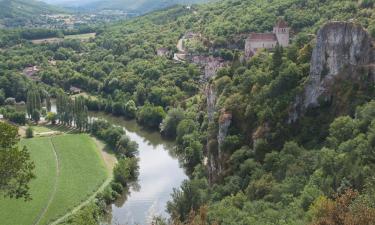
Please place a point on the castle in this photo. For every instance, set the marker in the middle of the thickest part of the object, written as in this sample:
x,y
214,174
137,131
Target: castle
x,y
279,35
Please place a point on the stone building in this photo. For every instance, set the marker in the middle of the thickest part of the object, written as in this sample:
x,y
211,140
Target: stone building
x,y
279,35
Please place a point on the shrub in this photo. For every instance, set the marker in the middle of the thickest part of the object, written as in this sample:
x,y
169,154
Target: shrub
x,y
29,132
126,171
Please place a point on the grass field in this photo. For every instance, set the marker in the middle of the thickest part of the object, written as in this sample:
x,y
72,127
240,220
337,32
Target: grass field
x,y
41,129
64,179
81,37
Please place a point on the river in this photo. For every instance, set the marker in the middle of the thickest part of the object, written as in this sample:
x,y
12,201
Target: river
x,y
160,172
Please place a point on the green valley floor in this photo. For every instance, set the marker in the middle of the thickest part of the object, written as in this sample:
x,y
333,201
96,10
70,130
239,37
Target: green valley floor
x,y
69,170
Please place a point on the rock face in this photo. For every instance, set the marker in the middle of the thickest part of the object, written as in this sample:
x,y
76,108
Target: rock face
x,y
225,121
210,64
340,46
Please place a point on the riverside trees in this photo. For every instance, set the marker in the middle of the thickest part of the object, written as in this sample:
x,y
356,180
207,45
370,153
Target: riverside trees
x,y
72,112
34,105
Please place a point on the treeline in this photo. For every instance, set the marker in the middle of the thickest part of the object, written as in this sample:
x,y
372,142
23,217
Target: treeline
x,y
126,170
72,112
148,115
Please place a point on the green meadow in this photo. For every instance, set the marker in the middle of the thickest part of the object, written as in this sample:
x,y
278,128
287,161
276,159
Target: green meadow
x,y
69,169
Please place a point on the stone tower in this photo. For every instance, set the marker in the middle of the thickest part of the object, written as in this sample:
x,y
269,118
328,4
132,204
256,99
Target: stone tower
x,y
281,30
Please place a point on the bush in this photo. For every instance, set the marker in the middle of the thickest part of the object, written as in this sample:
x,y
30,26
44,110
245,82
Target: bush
x,y
29,132
15,117
126,171
126,147
51,117
117,187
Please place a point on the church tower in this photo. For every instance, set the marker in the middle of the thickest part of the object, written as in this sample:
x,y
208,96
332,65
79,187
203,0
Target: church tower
x,y
281,30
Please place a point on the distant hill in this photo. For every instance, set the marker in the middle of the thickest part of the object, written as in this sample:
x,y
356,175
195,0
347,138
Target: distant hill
x,y
139,6
21,12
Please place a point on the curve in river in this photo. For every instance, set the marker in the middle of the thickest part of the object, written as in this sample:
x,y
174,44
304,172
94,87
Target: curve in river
x,y
160,172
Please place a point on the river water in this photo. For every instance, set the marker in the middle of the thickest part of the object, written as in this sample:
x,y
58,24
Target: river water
x,y
160,172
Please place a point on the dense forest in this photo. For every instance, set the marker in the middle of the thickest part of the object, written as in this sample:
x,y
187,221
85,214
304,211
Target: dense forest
x,y
313,169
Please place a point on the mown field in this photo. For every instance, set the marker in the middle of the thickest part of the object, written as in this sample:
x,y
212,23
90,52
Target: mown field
x,y
80,37
64,180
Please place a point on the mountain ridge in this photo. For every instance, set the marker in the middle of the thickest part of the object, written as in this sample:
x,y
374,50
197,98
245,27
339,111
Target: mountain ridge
x,y
142,6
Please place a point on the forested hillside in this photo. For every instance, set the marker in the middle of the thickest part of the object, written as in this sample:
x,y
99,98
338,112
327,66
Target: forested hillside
x,y
254,154
20,12
141,6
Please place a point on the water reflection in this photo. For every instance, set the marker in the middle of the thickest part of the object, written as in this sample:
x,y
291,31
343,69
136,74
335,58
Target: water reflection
x,y
160,172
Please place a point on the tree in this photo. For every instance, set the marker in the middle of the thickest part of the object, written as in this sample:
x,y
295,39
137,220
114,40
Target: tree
x,y
126,171
33,104
89,215
126,147
35,116
80,113
344,210
130,109
2,97
277,58
48,103
16,168
169,125
151,116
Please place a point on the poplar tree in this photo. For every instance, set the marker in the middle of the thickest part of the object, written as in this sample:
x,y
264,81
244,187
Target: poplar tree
x,y
33,105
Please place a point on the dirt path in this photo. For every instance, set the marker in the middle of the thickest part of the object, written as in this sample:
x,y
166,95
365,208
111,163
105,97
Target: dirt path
x,y
54,185
109,159
110,162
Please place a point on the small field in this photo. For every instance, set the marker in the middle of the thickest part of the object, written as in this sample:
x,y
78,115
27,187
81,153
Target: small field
x,y
69,169
81,37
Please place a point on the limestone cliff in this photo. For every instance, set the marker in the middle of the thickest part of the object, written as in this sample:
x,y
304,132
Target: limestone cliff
x,y
210,65
225,121
342,48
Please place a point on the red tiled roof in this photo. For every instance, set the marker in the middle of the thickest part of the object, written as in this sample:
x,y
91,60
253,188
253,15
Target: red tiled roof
x,y
262,37
281,24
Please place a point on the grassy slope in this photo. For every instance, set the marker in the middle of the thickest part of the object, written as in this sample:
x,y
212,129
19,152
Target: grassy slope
x,y
82,171
17,212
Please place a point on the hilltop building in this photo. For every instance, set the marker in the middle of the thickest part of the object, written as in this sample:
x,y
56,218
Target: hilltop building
x,y
279,35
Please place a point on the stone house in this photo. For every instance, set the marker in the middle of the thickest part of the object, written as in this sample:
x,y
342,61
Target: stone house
x,y
279,35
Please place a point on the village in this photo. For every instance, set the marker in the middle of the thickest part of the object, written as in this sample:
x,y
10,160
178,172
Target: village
x,y
191,45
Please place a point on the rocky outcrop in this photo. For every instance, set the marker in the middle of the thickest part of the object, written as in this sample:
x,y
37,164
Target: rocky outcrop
x,y
211,102
341,49
209,64
225,121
